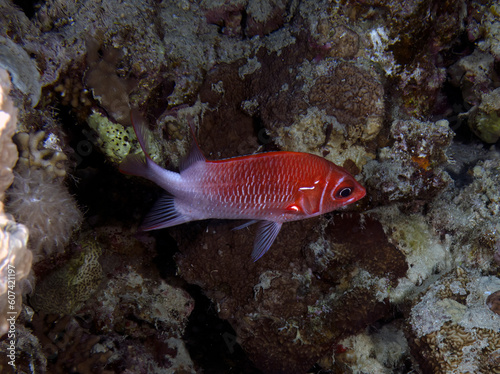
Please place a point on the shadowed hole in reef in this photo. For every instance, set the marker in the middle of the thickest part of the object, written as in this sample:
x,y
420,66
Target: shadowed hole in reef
x,y
211,342
29,7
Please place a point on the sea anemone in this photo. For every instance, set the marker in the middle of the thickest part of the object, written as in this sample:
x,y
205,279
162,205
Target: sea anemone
x,y
44,205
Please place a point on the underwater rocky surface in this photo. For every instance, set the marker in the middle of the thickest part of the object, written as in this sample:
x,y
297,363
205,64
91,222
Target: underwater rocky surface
x,y
404,95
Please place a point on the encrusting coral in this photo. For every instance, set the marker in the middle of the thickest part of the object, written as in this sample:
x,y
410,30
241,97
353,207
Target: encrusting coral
x,y
15,258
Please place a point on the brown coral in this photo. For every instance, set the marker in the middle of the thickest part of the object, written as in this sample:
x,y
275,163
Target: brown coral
x,y
451,327
354,97
70,347
493,302
107,87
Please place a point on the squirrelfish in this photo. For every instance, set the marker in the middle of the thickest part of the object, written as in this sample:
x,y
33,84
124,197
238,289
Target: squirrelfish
x,y
269,188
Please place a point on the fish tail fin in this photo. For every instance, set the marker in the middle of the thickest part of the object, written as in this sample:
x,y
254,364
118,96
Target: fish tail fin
x,y
163,214
135,164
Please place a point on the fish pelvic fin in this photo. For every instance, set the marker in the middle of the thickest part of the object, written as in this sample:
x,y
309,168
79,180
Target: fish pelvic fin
x,y
246,224
163,214
267,231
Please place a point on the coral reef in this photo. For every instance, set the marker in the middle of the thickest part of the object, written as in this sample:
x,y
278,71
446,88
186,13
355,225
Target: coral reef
x,y
469,216
101,75
8,151
475,74
376,86
380,352
69,347
29,352
15,258
354,97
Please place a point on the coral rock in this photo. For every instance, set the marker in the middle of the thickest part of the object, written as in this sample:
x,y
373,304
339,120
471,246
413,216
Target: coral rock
x,y
414,166
289,308
451,327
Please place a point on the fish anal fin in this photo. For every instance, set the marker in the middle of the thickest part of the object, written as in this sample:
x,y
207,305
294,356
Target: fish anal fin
x,y
267,231
163,214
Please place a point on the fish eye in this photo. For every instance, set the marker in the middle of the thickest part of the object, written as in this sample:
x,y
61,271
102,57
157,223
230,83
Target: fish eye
x,y
344,192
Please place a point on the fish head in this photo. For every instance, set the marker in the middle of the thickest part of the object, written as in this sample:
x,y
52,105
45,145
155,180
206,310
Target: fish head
x,y
328,190
341,189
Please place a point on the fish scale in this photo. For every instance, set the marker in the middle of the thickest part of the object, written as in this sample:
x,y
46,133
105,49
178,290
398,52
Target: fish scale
x,y
269,188
251,180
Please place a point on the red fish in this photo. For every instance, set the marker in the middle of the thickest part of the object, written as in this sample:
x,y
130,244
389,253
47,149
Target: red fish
x,y
269,188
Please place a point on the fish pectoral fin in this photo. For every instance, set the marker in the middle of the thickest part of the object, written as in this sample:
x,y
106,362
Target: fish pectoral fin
x,y
163,214
267,232
308,204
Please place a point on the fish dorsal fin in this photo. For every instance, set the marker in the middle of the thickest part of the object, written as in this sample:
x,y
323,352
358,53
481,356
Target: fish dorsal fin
x,y
194,154
267,232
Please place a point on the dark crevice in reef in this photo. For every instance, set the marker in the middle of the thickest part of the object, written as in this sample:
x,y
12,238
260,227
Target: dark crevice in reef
x,y
29,7
211,342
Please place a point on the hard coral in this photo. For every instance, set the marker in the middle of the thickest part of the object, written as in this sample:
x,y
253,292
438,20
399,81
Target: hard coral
x,y
15,265
22,68
45,206
70,347
32,154
469,215
8,151
64,290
